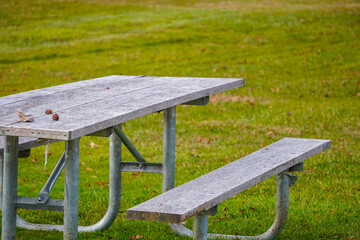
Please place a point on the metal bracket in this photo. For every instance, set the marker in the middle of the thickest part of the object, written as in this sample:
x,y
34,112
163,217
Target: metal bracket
x,y
297,168
212,211
44,194
127,143
24,153
200,102
292,178
32,203
102,133
141,167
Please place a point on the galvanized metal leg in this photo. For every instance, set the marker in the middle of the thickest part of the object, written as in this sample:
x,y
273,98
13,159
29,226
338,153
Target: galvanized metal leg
x,y
200,227
283,181
71,189
114,187
169,149
9,187
1,177
128,144
44,194
114,195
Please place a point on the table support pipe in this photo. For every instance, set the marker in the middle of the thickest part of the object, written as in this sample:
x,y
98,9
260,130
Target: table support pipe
x,y
9,188
283,182
44,194
128,144
169,148
71,201
114,195
1,177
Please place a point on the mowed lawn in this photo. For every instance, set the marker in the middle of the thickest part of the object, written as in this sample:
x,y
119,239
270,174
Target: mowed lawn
x,y
301,62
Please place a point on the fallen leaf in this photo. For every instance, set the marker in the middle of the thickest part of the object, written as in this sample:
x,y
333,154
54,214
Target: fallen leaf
x,y
270,133
25,117
89,169
102,183
34,160
138,236
93,145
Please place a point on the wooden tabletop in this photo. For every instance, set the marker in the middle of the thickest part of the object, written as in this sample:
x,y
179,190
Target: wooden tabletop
x,y
89,106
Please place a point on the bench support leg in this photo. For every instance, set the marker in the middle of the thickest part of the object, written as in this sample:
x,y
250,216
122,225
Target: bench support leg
x,y
283,181
200,227
114,195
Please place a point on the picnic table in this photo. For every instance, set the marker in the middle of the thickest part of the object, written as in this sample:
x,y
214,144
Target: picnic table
x,y
92,107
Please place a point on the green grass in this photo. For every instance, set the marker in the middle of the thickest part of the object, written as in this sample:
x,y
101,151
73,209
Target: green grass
x,y
301,61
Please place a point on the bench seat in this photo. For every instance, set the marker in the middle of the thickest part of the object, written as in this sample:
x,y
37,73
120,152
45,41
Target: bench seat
x,y
207,191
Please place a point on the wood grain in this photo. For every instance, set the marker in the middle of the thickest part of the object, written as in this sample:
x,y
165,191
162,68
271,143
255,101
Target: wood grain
x,y
89,106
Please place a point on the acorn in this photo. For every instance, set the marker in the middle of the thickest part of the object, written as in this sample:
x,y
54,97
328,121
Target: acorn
x,y
55,117
48,111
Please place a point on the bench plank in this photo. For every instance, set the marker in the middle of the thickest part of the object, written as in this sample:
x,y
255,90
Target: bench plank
x,y
90,107
215,187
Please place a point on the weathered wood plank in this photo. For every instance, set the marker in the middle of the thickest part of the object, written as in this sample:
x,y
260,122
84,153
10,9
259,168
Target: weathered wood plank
x,y
73,97
213,188
46,93
95,109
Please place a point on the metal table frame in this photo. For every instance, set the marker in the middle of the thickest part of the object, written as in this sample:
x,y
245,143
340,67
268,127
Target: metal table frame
x,y
9,177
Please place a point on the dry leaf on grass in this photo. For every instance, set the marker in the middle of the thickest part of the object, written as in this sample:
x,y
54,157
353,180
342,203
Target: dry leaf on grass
x,y
138,236
93,145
